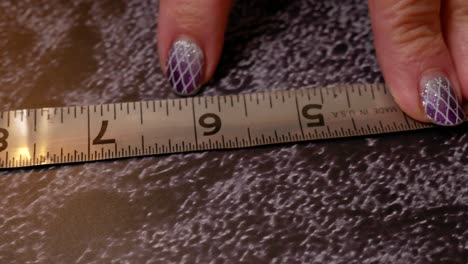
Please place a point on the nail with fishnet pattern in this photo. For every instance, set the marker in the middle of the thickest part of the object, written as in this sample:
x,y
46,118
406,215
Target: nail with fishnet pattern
x,y
184,67
440,101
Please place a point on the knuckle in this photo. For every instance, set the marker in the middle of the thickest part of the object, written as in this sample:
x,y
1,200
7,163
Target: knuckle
x,y
188,14
459,13
191,15
415,29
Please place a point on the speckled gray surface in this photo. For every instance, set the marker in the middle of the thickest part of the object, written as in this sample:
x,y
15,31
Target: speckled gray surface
x,y
387,199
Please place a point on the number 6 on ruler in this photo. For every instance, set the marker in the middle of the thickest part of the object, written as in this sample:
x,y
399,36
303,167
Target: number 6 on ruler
x,y
216,124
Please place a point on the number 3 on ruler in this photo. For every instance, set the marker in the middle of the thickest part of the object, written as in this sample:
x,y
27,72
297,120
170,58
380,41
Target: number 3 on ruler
x,y
3,137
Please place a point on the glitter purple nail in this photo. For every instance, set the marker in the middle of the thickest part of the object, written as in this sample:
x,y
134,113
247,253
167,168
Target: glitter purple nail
x,y
440,102
184,67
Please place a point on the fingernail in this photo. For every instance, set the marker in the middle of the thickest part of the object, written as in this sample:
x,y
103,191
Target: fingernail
x,y
184,67
440,101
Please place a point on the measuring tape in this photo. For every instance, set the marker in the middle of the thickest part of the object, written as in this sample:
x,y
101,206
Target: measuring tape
x,y
98,132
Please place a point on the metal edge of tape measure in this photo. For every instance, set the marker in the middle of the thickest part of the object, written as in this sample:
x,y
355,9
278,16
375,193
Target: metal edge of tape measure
x,y
77,134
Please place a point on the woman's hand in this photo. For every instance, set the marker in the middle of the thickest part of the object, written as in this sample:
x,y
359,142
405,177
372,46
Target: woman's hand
x,y
422,48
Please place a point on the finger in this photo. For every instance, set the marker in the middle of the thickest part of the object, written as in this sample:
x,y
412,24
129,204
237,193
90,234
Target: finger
x,y
415,60
456,33
190,40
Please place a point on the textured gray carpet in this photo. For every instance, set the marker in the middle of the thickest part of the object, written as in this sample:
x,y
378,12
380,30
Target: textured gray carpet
x,y
385,199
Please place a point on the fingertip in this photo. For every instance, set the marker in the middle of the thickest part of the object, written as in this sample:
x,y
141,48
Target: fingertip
x,y
415,61
202,23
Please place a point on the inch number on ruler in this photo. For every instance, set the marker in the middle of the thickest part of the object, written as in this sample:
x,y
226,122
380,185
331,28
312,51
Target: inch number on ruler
x,y
81,134
3,139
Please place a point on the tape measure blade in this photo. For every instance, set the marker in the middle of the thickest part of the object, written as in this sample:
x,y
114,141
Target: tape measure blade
x,y
98,132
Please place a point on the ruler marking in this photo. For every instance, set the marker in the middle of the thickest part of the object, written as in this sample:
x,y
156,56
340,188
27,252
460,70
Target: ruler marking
x,y
406,120
343,132
61,115
245,106
35,120
194,122
167,108
115,112
141,113
143,143
89,134
299,117
154,106
102,110
384,88
250,137
354,124
219,104
170,145
347,98
128,108
271,101
321,95
381,126
329,131
34,152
